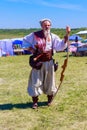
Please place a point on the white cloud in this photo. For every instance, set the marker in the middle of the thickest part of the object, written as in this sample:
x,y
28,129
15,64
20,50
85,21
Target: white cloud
x,y
53,3
64,5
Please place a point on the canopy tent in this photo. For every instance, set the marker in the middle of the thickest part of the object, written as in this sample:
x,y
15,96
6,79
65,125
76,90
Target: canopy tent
x,y
6,47
17,42
73,37
82,32
13,39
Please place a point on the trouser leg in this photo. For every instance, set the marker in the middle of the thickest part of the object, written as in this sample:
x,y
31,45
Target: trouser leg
x,y
35,101
50,98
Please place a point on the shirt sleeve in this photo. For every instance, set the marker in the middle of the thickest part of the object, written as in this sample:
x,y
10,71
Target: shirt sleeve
x,y
58,44
29,40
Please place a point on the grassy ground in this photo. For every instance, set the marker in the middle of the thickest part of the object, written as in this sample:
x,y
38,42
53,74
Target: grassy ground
x,y
69,109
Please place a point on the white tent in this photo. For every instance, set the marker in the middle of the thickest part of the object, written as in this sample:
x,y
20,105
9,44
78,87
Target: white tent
x,y
82,32
6,47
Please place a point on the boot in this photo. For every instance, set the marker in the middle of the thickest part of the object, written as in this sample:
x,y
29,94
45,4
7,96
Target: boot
x,y
50,98
35,100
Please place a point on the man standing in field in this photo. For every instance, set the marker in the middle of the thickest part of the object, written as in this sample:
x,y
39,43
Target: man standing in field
x,y
43,44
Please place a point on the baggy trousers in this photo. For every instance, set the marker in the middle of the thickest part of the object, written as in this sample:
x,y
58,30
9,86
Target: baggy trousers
x,y
43,80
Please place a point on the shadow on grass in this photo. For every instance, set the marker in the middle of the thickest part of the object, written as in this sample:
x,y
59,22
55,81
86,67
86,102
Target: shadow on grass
x,y
10,106
70,55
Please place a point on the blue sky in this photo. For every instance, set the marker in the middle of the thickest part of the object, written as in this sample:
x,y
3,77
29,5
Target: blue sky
x,y
27,13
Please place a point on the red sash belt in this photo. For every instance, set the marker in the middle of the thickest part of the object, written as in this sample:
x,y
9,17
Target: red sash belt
x,y
46,56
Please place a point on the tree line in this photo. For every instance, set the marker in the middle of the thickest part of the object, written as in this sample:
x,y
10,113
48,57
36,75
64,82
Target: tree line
x,y
11,33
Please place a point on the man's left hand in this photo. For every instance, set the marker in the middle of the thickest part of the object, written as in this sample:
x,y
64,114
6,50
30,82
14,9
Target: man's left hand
x,y
67,34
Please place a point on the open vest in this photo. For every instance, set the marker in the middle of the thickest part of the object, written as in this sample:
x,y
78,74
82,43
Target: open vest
x,y
41,46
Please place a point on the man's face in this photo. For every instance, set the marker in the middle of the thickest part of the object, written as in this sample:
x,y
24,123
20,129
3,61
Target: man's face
x,y
46,25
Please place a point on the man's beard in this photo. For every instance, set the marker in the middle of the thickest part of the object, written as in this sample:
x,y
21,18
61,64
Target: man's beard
x,y
47,34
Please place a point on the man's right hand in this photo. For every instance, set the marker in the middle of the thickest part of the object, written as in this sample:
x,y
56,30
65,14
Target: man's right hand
x,y
32,50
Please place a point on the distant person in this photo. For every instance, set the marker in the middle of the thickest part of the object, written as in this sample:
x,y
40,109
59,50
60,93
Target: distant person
x,y
75,49
43,45
76,41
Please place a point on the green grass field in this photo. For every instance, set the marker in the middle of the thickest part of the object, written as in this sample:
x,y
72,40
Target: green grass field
x,y
69,108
